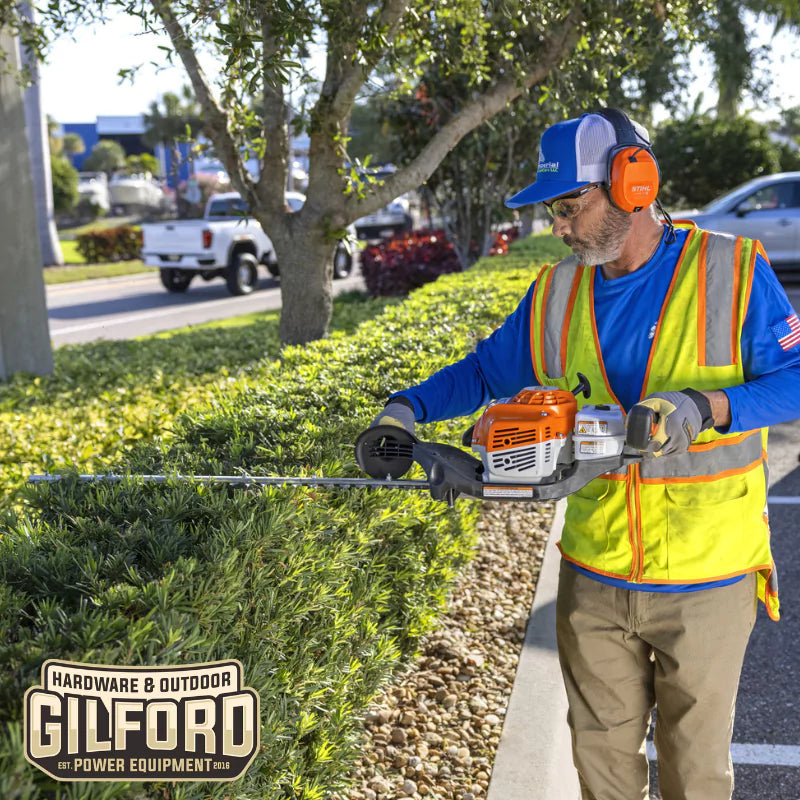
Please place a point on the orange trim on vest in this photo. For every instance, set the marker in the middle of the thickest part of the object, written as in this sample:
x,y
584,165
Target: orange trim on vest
x,y
664,581
596,338
699,447
753,253
639,533
737,257
727,473
701,299
573,294
688,582
631,528
664,305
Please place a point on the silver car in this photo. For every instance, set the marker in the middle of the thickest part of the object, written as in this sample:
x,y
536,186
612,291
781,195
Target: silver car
x,y
765,208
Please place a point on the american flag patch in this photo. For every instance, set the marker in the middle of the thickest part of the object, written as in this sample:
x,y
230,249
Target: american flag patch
x,y
787,332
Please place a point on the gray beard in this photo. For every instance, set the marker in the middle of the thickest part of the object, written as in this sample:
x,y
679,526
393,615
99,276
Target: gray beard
x,y
606,245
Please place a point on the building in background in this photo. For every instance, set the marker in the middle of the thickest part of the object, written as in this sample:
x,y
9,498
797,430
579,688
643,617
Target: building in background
x,y
129,132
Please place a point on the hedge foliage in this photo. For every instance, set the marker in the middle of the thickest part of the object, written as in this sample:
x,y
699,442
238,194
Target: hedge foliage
x,y
319,594
122,243
104,397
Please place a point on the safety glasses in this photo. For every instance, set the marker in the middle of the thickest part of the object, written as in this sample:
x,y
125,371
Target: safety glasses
x,y
558,208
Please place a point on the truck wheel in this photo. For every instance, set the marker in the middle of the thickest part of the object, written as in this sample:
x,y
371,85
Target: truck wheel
x,y
242,274
176,280
342,262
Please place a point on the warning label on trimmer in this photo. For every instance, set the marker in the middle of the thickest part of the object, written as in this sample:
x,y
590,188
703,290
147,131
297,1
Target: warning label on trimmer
x,y
495,492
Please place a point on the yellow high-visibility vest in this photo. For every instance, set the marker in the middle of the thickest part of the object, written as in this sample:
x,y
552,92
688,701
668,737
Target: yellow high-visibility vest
x,y
686,518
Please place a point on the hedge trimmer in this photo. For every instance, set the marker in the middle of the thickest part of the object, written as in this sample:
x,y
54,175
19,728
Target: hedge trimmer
x,y
535,445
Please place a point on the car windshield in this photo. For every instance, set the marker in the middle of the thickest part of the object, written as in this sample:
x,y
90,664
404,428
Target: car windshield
x,y
721,203
228,207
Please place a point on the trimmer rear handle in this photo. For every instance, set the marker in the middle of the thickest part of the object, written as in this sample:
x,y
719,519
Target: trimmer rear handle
x,y
640,427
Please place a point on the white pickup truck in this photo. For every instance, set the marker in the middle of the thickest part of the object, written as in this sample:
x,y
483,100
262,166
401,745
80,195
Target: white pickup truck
x,y
225,243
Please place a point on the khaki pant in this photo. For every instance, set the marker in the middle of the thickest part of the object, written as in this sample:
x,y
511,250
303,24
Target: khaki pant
x,y
623,652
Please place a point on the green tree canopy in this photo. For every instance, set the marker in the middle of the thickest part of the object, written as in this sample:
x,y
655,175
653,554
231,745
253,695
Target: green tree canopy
x,y
171,120
72,145
144,162
701,157
107,156
502,47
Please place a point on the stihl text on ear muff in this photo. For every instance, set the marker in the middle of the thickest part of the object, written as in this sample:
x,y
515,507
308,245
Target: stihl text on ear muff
x,y
632,173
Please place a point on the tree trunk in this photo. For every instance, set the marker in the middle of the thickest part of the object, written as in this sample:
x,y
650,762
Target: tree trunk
x,y
306,264
175,166
39,144
24,334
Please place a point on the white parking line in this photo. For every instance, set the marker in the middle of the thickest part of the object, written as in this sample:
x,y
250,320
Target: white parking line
x,y
782,500
763,755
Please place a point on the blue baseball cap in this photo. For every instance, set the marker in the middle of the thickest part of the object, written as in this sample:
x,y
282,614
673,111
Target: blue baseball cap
x,y
572,154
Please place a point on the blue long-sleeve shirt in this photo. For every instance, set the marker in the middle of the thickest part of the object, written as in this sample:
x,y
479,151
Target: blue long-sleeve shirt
x,y
627,310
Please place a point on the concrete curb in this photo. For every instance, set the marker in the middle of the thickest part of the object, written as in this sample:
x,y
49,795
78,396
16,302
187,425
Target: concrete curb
x,y
534,756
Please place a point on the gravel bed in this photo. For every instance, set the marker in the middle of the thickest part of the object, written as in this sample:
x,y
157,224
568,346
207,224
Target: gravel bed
x,y
434,732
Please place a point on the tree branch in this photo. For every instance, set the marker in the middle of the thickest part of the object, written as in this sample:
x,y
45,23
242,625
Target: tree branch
x,y
354,74
495,99
275,166
216,121
344,76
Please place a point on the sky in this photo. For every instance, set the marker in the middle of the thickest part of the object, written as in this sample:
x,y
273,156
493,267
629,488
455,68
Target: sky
x,y
80,81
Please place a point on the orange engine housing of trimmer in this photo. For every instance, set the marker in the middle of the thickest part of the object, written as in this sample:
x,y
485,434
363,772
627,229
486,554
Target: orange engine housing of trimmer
x,y
520,438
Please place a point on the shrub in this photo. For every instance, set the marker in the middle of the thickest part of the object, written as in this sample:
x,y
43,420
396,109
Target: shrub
x,y
319,594
407,261
502,239
65,184
123,243
702,157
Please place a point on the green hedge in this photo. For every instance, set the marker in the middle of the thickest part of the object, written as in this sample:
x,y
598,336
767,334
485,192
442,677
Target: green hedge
x,y
123,243
319,594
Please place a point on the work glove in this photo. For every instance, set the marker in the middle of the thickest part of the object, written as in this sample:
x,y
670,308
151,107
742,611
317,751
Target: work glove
x,y
668,422
380,453
398,411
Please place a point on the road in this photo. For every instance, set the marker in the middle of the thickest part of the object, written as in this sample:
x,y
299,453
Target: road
x,y
136,305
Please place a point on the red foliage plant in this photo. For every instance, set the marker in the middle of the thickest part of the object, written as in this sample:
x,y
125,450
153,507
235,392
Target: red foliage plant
x,y
406,261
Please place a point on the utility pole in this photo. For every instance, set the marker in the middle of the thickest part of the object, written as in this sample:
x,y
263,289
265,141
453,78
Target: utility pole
x,y
24,334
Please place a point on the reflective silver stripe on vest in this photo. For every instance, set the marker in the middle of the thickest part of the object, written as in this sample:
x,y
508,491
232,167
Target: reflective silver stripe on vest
x,y
704,462
720,270
557,299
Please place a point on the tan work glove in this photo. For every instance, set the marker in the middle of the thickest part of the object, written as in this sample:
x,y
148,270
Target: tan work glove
x,y
677,420
398,412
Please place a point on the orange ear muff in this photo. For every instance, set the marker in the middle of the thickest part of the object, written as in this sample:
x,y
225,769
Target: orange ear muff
x,y
633,178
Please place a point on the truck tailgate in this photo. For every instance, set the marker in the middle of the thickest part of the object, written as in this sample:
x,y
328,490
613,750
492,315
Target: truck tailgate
x,y
181,237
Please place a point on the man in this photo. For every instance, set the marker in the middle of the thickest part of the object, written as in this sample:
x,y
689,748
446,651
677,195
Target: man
x,y
662,561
